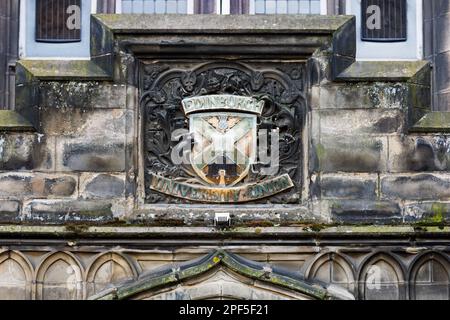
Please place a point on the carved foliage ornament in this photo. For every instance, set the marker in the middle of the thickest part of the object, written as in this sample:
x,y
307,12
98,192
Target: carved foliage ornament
x,y
219,112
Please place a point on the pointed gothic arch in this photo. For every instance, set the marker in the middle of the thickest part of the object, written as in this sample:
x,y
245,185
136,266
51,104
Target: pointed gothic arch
x,y
222,275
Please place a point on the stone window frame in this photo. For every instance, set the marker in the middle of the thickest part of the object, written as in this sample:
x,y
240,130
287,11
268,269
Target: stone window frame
x,y
411,49
30,48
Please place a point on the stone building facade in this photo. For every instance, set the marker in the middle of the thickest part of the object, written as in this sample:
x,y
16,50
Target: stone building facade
x,y
93,207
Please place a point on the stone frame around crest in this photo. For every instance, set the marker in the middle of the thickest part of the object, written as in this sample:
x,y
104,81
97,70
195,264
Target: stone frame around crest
x,y
323,48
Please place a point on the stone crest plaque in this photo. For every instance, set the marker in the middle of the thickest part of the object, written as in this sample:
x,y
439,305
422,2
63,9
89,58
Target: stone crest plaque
x,y
217,119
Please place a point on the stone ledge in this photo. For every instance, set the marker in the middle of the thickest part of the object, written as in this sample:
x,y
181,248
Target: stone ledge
x,y
69,211
13,121
366,212
433,122
372,71
165,234
116,38
428,213
205,24
64,70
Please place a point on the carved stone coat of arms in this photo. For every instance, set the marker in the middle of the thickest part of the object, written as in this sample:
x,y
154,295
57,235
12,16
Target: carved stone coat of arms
x,y
223,134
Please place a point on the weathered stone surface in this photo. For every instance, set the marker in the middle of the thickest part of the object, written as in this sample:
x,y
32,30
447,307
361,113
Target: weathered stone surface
x,y
90,123
25,185
176,215
19,151
72,211
420,97
63,69
234,24
419,153
55,187
430,213
45,153
27,98
16,151
430,122
84,95
416,187
91,156
365,212
364,96
102,186
13,121
344,44
371,121
348,186
351,154
15,185
9,211
383,70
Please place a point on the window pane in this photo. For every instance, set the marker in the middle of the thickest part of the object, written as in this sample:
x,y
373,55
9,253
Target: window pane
x,y
384,20
205,6
281,6
106,6
58,20
182,6
138,6
127,6
160,6
304,6
149,6
154,6
293,7
271,6
239,6
260,6
286,6
315,7
171,6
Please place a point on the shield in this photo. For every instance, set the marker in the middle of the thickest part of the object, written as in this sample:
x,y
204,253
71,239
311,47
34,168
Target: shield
x,y
224,146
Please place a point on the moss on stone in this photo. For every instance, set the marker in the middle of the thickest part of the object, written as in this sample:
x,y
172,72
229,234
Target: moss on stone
x,y
438,210
433,122
383,71
64,70
320,151
13,121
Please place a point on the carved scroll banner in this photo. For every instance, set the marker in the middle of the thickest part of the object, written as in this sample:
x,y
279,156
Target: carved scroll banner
x,y
245,193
